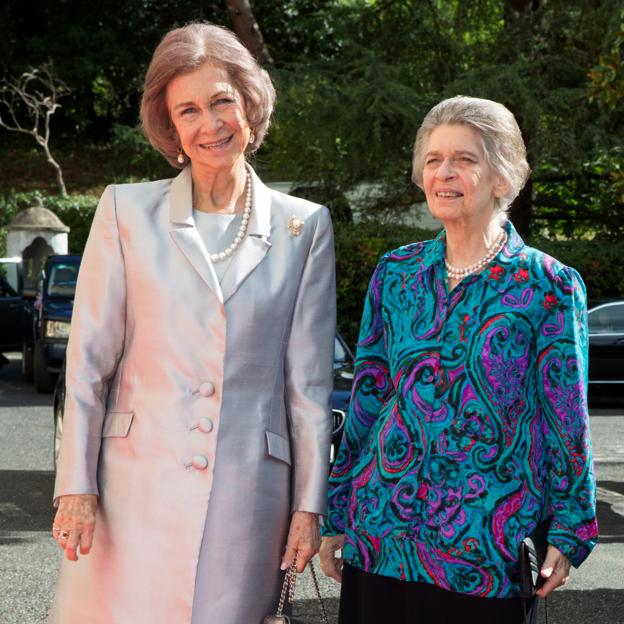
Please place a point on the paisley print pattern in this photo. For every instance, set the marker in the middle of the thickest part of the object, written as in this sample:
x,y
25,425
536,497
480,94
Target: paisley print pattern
x,y
468,421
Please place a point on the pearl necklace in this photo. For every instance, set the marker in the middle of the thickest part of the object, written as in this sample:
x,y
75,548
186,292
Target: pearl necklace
x,y
242,229
479,265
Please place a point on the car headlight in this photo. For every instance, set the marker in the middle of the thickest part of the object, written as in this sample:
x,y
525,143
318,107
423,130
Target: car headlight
x,y
57,329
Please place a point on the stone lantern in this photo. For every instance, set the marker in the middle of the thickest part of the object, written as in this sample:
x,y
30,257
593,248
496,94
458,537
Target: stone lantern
x,y
33,234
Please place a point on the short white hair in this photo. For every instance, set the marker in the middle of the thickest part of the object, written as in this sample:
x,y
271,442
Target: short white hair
x,y
501,139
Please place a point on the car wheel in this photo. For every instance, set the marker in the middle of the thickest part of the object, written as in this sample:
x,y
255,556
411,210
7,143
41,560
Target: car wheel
x,y
58,432
27,363
44,383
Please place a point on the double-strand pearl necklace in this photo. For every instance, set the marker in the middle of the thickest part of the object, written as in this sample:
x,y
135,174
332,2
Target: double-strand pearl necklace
x,y
242,229
479,265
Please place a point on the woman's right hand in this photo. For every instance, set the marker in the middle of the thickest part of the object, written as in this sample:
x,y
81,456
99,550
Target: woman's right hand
x,y
330,563
74,524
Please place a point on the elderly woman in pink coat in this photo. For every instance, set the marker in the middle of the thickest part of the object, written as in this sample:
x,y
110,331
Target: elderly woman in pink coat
x,y
195,452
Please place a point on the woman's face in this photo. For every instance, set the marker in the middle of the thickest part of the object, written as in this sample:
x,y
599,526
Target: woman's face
x,y
459,185
209,116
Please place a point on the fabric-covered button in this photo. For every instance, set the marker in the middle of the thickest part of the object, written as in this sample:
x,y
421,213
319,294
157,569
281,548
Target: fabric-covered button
x,y
200,462
205,424
206,389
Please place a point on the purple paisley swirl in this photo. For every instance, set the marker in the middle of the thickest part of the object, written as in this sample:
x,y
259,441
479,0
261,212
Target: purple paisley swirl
x,y
396,447
554,329
523,301
371,387
504,510
419,389
439,566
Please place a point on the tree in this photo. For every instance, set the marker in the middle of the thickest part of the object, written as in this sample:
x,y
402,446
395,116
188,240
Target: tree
x,y
247,29
27,105
350,113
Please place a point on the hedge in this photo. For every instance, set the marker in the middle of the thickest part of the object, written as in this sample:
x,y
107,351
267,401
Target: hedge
x,y
358,248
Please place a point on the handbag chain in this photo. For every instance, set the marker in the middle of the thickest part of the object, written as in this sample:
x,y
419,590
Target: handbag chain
x,y
288,589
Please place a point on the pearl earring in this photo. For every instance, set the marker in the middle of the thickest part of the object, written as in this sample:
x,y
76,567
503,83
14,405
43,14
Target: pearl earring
x,y
181,157
252,137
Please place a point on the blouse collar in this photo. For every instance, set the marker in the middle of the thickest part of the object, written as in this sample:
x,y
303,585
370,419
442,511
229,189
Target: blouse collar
x,y
508,268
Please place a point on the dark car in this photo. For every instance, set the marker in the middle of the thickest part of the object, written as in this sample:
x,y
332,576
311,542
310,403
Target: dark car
x,y
606,350
44,350
12,323
343,377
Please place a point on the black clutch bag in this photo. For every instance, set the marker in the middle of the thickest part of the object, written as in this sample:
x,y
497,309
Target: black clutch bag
x,y
532,554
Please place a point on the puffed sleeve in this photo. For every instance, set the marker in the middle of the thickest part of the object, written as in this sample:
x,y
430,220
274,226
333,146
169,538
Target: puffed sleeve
x,y
93,351
309,370
562,345
372,387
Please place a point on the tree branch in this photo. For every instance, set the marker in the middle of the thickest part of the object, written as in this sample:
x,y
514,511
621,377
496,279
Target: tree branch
x,y
34,96
247,29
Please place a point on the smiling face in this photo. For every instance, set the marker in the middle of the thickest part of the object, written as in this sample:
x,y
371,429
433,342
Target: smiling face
x,y
209,116
458,183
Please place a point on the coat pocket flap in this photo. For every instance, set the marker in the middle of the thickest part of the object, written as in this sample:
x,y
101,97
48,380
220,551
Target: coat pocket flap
x,y
278,446
117,424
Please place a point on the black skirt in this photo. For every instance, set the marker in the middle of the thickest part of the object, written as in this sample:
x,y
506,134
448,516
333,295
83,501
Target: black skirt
x,y
373,599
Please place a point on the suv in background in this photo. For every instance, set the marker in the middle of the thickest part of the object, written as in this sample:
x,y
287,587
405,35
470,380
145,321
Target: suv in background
x,y
44,350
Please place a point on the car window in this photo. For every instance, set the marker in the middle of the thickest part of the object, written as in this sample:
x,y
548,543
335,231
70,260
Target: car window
x,y
340,353
607,319
62,282
8,280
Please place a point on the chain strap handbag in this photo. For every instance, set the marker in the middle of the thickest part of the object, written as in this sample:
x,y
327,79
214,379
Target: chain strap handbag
x,y
288,593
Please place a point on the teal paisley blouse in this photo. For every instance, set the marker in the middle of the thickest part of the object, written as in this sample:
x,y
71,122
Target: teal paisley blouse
x,y
468,421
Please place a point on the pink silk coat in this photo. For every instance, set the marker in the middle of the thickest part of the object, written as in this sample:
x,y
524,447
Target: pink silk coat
x,y
198,411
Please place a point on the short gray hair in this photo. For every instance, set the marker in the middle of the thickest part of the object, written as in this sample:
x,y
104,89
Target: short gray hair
x,y
186,49
503,146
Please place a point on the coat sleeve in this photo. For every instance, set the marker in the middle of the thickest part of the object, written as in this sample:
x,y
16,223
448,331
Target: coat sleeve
x,y
308,371
93,351
562,344
372,388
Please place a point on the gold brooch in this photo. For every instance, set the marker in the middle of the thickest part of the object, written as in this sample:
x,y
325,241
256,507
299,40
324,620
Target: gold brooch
x,y
295,225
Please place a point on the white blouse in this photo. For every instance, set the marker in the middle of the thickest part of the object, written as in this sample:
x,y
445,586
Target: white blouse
x,y
217,231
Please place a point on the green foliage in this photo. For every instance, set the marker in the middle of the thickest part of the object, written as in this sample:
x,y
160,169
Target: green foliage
x,y
598,261
130,144
355,78
359,247
75,211
607,77
584,202
349,115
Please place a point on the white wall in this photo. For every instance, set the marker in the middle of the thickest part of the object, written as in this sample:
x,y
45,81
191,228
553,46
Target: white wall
x,y
18,241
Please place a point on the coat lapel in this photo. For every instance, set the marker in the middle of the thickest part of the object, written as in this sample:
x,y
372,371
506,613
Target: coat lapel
x,y
255,245
185,234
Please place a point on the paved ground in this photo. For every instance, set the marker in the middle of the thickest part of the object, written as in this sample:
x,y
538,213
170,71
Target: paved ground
x,y
29,558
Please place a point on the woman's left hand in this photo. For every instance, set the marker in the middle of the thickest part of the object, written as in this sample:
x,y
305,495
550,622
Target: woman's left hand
x,y
304,540
555,571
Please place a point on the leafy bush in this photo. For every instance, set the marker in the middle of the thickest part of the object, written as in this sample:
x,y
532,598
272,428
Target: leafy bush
x,y
359,247
134,149
598,261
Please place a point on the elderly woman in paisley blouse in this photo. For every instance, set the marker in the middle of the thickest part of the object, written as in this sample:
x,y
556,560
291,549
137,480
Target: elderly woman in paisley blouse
x,y
468,424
